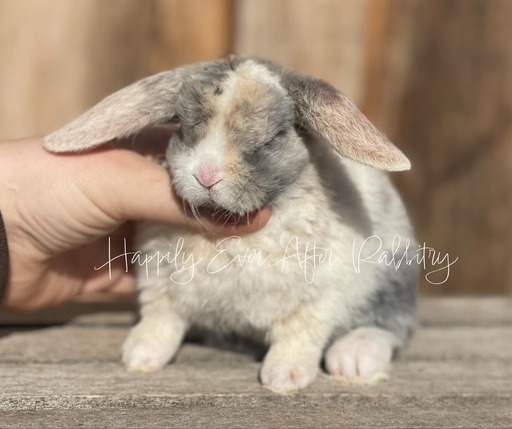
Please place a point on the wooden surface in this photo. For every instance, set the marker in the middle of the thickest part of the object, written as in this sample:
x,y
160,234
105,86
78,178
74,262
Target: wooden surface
x,y
456,373
433,75
324,38
60,57
442,94
190,31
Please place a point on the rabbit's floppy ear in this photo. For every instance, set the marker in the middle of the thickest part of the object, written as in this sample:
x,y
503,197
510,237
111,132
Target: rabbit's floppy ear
x,y
145,102
326,113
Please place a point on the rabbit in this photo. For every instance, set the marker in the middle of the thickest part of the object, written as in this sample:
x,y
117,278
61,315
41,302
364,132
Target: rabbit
x,y
255,134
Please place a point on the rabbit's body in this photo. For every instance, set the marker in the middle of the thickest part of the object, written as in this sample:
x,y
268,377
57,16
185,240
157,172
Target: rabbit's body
x,y
249,285
226,291
254,135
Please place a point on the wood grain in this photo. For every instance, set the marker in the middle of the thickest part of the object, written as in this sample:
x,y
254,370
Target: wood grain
x,y
455,374
433,75
323,38
60,57
451,111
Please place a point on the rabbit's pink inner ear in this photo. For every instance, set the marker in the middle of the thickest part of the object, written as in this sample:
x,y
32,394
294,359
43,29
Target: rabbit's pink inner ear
x,y
336,120
329,115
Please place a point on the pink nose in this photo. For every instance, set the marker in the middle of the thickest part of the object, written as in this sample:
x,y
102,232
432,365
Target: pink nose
x,y
208,174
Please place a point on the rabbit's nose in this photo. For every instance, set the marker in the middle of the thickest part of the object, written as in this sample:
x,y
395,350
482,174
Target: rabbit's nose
x,y
208,174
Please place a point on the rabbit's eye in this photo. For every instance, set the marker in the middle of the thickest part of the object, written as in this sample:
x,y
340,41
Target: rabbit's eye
x,y
271,142
281,133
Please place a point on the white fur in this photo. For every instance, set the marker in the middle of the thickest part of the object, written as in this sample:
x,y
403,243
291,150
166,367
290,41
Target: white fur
x,y
362,356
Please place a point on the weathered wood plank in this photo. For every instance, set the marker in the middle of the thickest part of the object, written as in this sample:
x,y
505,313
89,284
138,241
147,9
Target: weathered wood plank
x,y
61,57
484,311
109,307
76,385
452,375
73,344
457,311
327,412
441,92
191,31
324,38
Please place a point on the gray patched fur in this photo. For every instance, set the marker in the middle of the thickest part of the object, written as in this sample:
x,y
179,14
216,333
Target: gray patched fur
x,y
254,134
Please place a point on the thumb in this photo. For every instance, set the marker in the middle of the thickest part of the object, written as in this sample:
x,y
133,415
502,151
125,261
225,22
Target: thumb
x,y
137,188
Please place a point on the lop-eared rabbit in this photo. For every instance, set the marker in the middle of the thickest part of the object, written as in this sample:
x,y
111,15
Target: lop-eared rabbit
x,y
316,283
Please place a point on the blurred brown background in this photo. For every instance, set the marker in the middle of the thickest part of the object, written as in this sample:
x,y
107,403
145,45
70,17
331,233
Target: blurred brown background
x,y
434,75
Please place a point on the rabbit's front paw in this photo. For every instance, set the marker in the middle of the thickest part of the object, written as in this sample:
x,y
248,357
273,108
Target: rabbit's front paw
x,y
287,375
362,356
147,352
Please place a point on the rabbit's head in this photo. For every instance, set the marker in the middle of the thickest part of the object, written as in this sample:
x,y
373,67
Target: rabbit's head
x,y
239,145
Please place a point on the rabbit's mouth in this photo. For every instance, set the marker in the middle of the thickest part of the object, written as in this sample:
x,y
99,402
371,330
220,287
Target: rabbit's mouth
x,y
226,217
220,216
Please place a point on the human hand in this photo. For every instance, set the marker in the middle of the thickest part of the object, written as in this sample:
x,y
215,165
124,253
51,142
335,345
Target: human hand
x,y
58,210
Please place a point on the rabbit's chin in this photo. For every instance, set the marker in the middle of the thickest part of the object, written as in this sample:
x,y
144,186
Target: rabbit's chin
x,y
226,217
221,215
